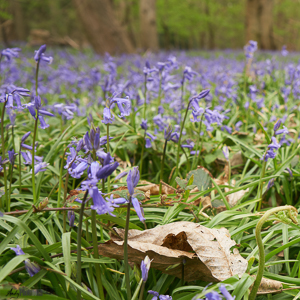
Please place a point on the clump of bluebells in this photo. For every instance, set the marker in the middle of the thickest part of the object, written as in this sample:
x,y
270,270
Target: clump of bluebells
x,y
153,100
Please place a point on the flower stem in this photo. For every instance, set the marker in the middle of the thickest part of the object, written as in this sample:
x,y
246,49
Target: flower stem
x,y
197,158
3,154
107,144
260,187
126,266
142,291
261,246
10,181
179,142
142,155
162,166
79,229
145,96
34,134
96,255
20,175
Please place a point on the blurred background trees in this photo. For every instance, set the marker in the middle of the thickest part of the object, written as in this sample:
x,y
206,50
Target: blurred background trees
x,y
131,25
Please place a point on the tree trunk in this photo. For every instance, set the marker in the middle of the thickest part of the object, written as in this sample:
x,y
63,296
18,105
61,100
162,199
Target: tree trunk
x,y
211,32
102,28
19,20
149,39
259,23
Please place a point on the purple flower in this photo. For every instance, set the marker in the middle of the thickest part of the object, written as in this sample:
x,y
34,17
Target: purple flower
x,y
225,293
71,218
107,116
282,131
284,52
277,125
39,55
290,172
12,156
145,267
271,183
226,153
99,204
10,53
238,125
31,267
156,296
144,125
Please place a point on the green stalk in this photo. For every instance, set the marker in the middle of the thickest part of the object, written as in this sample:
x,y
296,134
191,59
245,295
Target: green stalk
x,y
159,91
126,265
179,142
261,246
229,171
34,135
79,229
145,96
107,144
3,155
96,255
142,156
260,187
20,175
162,166
10,181
196,160
60,178
142,290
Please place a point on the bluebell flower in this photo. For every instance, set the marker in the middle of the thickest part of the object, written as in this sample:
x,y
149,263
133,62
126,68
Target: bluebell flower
x,y
270,183
226,152
107,116
284,52
272,150
3,162
157,296
238,125
31,267
282,131
145,267
188,73
170,135
99,204
144,124
250,49
225,293
12,156
71,218
40,56
290,172
10,53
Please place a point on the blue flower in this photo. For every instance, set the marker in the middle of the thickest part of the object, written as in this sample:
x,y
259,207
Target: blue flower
x,y
10,53
160,297
145,267
71,218
39,55
31,267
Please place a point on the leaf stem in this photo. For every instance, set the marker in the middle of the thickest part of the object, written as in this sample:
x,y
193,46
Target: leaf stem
x,y
126,265
79,229
3,154
261,246
162,167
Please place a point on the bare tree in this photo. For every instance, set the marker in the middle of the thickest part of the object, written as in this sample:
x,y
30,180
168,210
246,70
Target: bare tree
x,y
149,39
102,28
259,22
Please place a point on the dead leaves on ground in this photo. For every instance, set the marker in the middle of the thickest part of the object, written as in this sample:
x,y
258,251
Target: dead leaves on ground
x,y
207,252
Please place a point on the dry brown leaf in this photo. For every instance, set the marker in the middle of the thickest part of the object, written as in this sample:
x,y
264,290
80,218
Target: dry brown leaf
x,y
237,159
268,286
154,189
206,251
235,197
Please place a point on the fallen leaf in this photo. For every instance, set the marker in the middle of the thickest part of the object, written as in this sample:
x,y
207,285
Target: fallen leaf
x,y
268,286
206,251
154,189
